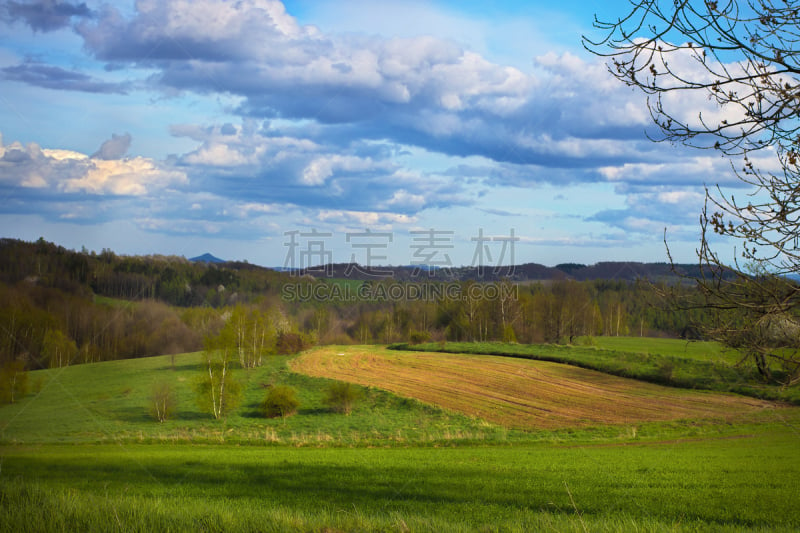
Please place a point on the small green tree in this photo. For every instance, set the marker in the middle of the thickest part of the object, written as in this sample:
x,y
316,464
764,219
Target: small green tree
x,y
162,401
281,400
57,349
253,334
340,397
218,392
13,381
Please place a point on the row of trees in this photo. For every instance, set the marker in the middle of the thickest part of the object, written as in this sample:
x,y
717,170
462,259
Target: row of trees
x,y
47,327
170,279
551,312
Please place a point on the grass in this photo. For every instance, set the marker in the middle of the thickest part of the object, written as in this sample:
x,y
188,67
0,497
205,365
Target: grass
x,y
113,302
714,485
109,402
697,350
82,454
516,392
668,362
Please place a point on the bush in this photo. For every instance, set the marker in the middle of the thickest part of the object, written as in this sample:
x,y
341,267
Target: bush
x,y
418,337
290,343
162,402
281,400
341,397
13,381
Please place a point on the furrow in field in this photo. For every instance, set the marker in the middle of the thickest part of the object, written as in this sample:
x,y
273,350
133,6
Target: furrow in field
x,y
516,392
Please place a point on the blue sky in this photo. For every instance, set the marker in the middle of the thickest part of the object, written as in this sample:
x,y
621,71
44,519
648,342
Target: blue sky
x,y
183,127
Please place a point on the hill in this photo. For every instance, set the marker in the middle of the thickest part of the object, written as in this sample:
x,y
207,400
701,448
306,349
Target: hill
x,y
206,258
526,272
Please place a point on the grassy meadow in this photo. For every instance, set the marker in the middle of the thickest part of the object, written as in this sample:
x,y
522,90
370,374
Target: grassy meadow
x,y
81,452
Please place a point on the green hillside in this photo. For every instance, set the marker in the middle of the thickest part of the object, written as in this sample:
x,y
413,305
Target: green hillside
x,y
110,401
394,464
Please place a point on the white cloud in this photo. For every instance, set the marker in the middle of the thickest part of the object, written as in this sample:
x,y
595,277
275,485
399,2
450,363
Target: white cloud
x,y
405,200
68,171
322,168
176,225
680,197
419,90
137,176
366,219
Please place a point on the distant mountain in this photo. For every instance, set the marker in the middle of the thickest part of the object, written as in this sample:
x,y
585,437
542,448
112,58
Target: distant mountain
x,y
609,270
207,258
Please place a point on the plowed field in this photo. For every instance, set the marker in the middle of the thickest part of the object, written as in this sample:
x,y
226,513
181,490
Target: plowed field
x,y
518,393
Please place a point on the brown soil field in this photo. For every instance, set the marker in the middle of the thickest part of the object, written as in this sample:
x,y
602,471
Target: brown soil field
x,y
518,393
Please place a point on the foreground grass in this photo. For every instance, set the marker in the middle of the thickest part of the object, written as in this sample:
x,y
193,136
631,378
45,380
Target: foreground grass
x,y
667,362
747,483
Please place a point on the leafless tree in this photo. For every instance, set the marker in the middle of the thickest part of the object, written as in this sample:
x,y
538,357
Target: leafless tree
x,y
744,56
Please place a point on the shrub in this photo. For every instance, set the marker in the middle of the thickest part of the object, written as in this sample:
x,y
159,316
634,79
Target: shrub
x,y
281,400
418,337
341,397
585,340
13,381
664,372
289,342
162,402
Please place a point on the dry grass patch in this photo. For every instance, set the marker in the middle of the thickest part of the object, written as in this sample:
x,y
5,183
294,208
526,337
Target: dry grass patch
x,y
518,393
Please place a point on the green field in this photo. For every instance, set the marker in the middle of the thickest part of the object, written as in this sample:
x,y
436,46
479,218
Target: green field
x,y
108,401
709,485
698,350
82,454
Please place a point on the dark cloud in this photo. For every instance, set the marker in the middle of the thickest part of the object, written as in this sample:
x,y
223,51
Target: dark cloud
x,y
46,15
114,148
16,156
57,78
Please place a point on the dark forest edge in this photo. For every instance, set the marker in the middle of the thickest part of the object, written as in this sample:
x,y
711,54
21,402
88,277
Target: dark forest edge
x,y
60,307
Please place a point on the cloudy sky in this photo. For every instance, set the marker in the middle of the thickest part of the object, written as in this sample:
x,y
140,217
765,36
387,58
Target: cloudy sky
x,y
406,131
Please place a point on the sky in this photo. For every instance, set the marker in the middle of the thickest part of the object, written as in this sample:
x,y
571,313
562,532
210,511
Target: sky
x,y
286,134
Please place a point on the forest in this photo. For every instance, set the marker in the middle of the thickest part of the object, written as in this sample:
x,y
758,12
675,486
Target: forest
x,y
61,307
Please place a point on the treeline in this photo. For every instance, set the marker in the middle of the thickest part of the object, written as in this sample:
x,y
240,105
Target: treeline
x,y
540,312
170,279
59,306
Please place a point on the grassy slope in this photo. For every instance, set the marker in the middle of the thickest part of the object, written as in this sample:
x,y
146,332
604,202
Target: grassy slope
x,y
651,476
697,350
669,362
109,401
